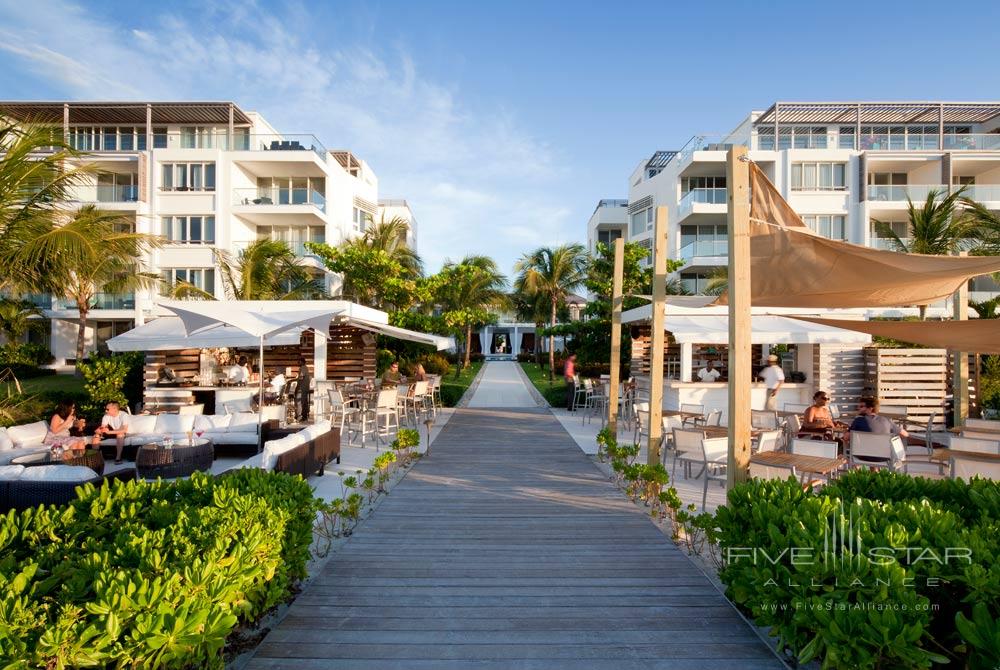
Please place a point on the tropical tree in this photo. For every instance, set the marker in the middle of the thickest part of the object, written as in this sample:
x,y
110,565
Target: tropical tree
x,y
36,175
377,269
986,226
17,317
94,252
264,270
551,273
468,292
531,309
718,281
938,227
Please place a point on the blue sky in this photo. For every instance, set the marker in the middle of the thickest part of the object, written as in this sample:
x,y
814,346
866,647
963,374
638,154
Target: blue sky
x,y
501,123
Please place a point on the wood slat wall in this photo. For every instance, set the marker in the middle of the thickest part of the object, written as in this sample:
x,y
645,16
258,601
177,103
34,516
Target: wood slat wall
x,y
839,369
917,378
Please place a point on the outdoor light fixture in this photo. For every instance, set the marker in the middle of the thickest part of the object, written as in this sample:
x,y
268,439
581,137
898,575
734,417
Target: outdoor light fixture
x,y
428,423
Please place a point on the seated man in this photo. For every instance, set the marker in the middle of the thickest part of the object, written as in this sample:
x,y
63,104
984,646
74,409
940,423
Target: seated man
x,y
391,377
113,424
817,415
709,373
869,420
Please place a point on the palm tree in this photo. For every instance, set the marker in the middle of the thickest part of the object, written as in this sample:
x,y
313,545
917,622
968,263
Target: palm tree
x,y
935,228
264,270
987,227
17,317
35,181
94,252
531,309
718,281
468,289
390,237
552,273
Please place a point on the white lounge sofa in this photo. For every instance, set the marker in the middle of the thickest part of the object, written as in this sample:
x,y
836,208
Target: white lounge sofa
x,y
236,429
305,452
17,441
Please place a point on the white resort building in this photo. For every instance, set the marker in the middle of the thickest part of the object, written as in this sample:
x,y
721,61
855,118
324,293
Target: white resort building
x,y
841,165
207,176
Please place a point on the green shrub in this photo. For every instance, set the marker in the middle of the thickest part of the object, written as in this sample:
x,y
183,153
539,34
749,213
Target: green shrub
x,y
150,574
383,359
884,566
436,364
28,354
106,378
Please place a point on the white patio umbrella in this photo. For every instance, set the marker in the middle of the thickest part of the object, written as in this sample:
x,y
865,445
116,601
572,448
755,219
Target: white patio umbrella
x,y
259,318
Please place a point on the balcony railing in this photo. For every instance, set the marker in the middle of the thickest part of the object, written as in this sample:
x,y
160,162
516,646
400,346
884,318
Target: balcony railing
x,y
913,192
114,301
887,243
707,196
298,247
279,196
982,192
39,300
111,193
704,248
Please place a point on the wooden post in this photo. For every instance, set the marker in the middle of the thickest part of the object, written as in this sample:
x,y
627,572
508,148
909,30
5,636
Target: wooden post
x,y
616,334
960,367
740,365
657,339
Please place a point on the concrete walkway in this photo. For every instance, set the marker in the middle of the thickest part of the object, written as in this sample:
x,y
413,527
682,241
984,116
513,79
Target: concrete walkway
x,y
506,548
501,386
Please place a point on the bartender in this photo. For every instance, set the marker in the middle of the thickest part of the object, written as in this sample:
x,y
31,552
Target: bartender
x,y
709,373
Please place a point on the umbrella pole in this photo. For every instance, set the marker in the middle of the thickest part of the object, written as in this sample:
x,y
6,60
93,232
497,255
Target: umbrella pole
x,y
260,398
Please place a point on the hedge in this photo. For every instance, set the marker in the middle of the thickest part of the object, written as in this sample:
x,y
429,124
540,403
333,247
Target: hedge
x,y
150,574
889,570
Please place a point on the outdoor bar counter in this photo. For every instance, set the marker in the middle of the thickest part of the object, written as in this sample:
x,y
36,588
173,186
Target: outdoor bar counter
x,y
715,395
212,397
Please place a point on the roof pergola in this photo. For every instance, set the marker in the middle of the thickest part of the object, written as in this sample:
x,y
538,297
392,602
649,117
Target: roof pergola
x,y
124,113
878,112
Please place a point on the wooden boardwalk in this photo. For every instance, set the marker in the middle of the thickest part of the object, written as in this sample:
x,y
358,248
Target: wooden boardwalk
x,y
507,548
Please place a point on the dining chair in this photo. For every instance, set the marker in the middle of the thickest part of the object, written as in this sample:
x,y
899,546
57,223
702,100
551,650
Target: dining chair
x,y
902,463
667,438
714,418
386,414
694,409
342,411
715,458
871,450
820,448
968,466
973,445
687,449
763,419
768,441
779,472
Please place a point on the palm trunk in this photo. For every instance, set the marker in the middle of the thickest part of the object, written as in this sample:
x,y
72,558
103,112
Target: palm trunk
x,y
552,345
468,345
923,312
81,334
538,344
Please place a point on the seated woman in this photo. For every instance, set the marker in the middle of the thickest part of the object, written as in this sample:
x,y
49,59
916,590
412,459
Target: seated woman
x,y
817,416
63,425
419,375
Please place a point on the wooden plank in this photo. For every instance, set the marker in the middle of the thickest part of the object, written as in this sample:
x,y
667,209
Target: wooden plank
x,y
657,336
740,365
616,334
508,548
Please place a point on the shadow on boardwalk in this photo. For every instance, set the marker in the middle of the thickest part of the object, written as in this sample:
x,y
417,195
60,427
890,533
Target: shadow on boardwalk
x,y
507,548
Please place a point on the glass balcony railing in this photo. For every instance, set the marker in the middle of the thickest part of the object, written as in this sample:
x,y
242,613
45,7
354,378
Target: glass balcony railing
x,y
111,193
704,248
972,142
982,192
913,192
708,196
887,243
898,142
39,300
114,301
298,247
279,196
220,140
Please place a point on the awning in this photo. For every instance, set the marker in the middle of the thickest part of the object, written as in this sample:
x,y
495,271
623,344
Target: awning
x,y
980,336
168,334
765,329
793,267
439,342
261,318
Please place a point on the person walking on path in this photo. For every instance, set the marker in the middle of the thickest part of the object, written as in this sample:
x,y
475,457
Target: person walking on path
x,y
773,377
569,373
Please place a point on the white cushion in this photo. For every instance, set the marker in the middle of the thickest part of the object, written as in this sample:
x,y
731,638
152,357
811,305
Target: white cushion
x,y
5,441
10,454
174,423
57,473
142,424
238,405
246,437
275,448
317,429
28,435
208,422
274,412
9,472
243,422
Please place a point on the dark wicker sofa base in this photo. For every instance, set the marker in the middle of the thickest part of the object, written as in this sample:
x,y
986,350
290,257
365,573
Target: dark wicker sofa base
x,y
311,457
20,495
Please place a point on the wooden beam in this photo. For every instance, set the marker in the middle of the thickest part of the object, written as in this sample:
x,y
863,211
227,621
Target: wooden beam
x,y
658,338
960,367
740,365
616,334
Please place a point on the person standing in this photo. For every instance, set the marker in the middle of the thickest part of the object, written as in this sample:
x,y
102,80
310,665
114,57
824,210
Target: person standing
x,y
569,373
709,373
302,390
773,377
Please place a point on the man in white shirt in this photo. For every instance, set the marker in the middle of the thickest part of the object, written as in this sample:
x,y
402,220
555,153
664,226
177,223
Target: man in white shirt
x,y
114,424
773,377
709,373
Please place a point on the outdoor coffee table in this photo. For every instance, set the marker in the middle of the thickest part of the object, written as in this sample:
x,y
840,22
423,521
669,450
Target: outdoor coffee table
x,y
802,463
91,458
180,460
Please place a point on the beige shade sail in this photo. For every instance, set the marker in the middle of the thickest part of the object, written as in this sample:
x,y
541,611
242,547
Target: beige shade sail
x,y
977,336
791,266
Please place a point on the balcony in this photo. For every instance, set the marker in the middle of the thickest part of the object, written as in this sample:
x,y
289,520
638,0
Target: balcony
x,y
704,248
111,193
265,198
887,243
903,193
114,301
703,199
983,192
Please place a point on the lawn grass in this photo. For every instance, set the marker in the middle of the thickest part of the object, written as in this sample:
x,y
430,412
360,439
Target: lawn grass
x,y
554,392
53,384
452,389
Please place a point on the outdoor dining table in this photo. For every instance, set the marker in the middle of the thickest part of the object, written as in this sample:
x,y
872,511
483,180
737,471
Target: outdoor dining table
x,y
802,463
723,431
943,455
976,429
682,414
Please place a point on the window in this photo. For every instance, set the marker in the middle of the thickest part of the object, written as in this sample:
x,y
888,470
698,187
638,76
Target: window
x,y
159,138
188,229
887,178
846,138
900,228
819,176
294,191
647,244
692,183
197,137
203,278
828,225
694,283
639,221
361,219
710,240
608,237
108,138
188,177
105,330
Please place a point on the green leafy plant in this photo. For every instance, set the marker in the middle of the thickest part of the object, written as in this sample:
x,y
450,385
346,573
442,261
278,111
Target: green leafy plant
x,y
104,382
